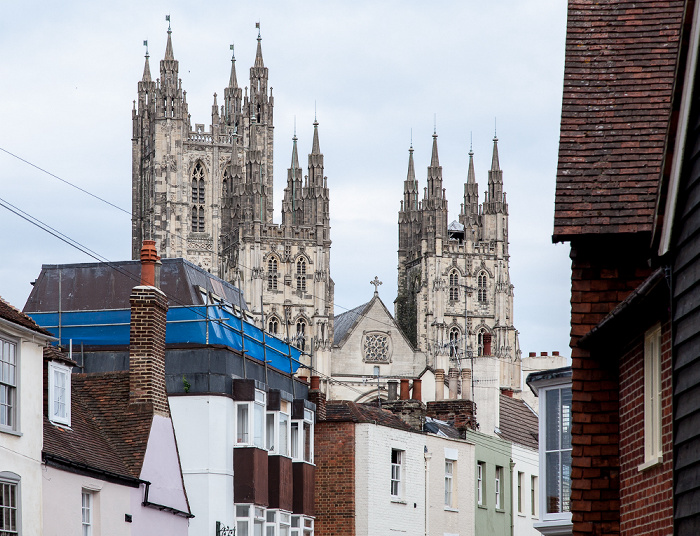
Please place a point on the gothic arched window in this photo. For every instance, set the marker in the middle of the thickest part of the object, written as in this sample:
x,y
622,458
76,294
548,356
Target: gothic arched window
x,y
226,186
301,274
480,342
273,325
454,286
455,337
198,198
482,281
272,273
301,334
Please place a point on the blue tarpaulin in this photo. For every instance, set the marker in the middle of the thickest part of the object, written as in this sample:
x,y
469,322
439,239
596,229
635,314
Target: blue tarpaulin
x,y
192,324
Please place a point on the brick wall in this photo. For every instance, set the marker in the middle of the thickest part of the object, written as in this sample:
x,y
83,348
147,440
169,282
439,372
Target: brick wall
x,y
458,412
604,273
646,497
335,478
147,349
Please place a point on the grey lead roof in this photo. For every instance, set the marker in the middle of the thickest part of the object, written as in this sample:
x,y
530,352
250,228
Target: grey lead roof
x,y
99,286
343,322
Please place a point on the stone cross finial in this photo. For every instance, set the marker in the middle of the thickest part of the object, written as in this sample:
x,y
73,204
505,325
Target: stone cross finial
x,y
376,282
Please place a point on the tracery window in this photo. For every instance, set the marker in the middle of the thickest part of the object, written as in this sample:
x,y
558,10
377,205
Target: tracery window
x,y
454,286
301,274
198,198
376,348
480,341
226,185
272,273
273,325
455,337
301,334
482,281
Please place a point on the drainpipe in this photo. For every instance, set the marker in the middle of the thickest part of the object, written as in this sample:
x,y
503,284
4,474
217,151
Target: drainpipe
x,y
427,457
512,517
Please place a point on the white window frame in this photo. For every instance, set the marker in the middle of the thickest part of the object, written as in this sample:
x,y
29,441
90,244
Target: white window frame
x,y
285,523
87,512
543,393
284,420
653,454
255,515
497,487
247,435
304,432
397,468
449,484
9,384
480,492
534,511
57,370
296,526
11,482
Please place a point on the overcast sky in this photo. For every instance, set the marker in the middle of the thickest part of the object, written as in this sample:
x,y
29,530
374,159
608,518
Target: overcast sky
x,y
376,71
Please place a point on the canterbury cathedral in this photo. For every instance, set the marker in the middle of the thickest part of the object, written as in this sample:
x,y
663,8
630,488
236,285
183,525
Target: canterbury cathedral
x,y
455,297
205,194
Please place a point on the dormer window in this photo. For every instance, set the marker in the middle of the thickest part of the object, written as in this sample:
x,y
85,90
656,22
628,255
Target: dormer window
x,y
59,393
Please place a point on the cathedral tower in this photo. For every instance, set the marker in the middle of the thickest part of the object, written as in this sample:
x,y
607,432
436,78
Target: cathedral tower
x,y
207,195
455,297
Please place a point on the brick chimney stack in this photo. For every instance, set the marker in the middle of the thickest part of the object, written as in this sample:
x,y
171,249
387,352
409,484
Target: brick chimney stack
x,y
147,338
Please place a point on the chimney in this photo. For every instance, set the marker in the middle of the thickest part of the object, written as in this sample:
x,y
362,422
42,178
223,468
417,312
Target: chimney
x,y
318,397
555,354
404,389
393,388
467,384
439,384
487,344
532,354
543,354
149,307
452,382
417,389
149,258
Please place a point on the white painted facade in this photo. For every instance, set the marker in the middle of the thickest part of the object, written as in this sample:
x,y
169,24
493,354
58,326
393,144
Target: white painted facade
x,y
526,467
539,363
63,504
205,438
21,443
457,518
422,483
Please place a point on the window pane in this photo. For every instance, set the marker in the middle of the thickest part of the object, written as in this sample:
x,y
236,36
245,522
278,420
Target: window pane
x,y
553,487
284,432
242,426
566,418
552,419
566,481
295,440
242,528
259,426
308,445
270,432
242,511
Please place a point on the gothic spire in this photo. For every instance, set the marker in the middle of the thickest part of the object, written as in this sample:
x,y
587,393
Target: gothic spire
x,y
295,157
494,160
146,70
169,47
471,176
233,81
411,176
258,53
315,149
435,161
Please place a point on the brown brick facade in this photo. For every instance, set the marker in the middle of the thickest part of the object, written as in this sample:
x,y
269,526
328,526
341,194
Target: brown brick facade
x,y
646,497
147,349
603,274
335,479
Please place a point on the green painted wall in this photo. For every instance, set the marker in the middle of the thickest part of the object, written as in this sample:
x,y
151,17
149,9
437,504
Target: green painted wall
x,y
492,452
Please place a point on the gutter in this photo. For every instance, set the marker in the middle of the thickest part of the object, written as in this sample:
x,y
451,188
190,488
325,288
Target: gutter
x,y
162,507
29,332
64,463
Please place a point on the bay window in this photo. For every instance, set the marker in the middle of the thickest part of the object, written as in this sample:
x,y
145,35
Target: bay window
x,y
250,421
302,437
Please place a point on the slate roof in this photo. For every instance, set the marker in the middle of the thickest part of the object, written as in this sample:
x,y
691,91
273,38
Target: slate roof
x,y
518,423
435,426
106,434
618,84
98,286
343,323
8,312
346,411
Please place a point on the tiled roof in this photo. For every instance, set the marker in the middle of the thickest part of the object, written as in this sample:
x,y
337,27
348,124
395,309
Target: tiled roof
x,y
346,411
518,423
18,317
343,322
618,83
106,433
